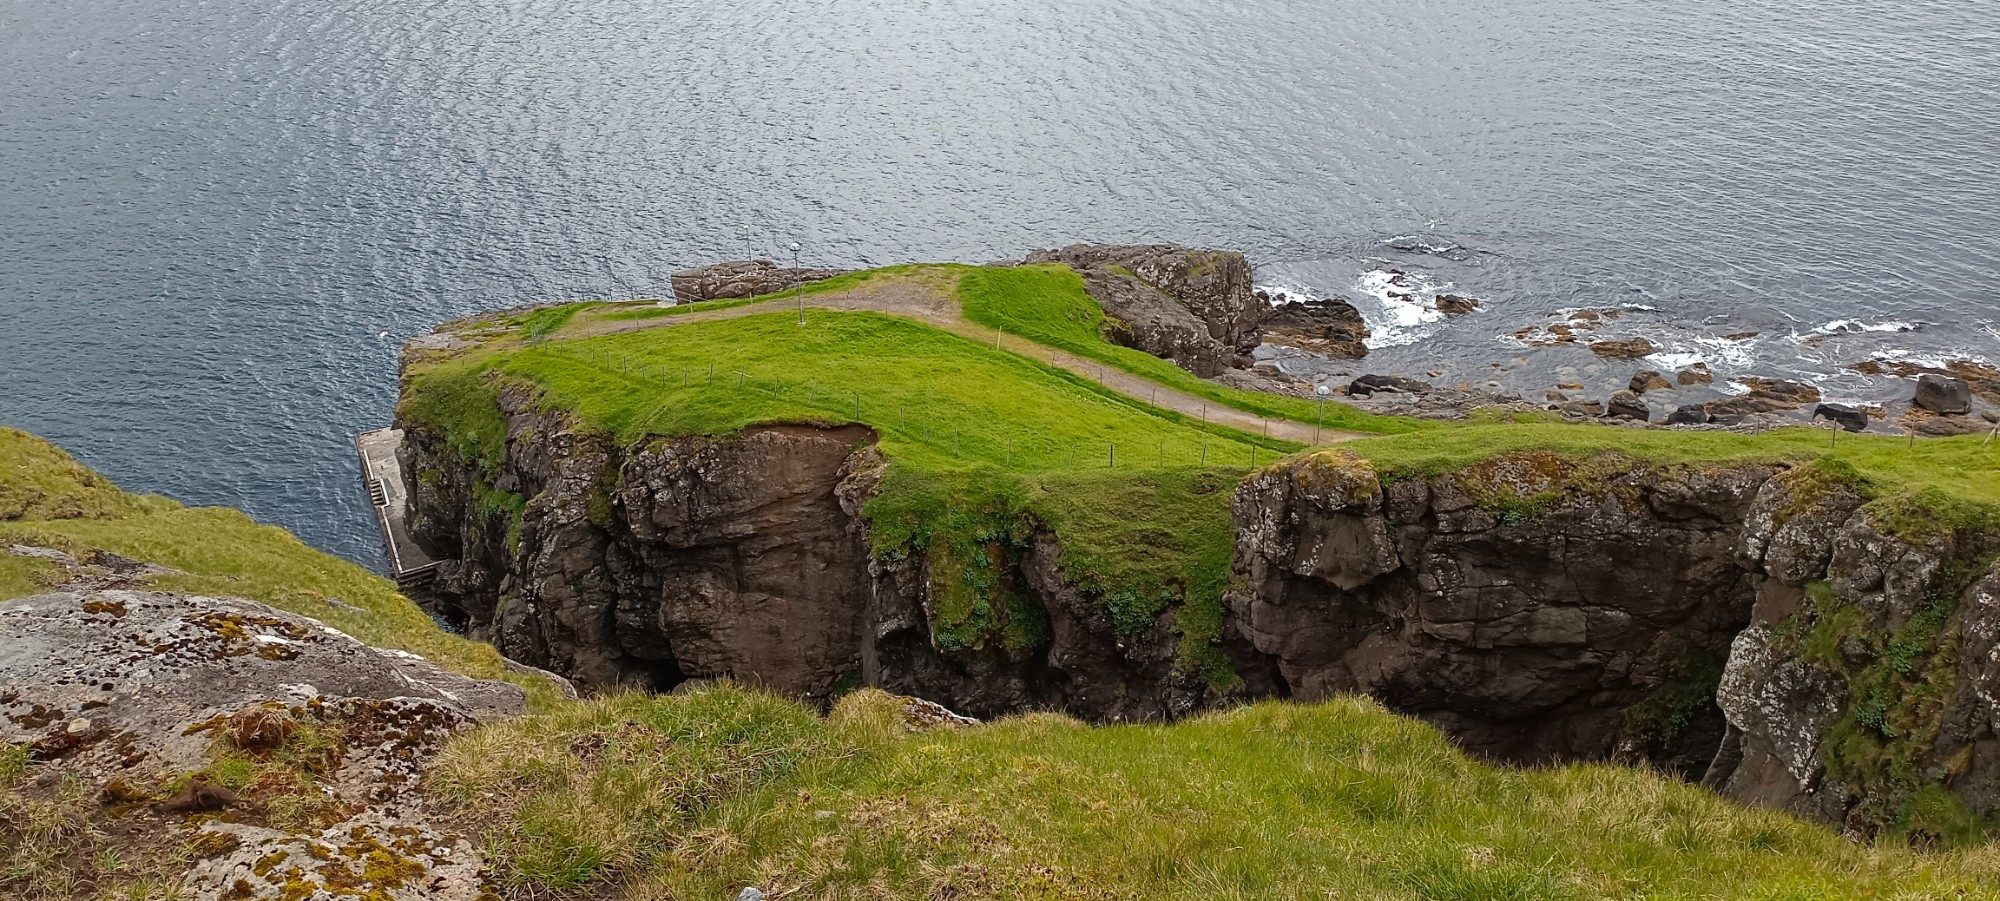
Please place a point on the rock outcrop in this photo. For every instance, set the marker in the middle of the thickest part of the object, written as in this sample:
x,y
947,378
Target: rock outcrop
x,y
1756,627
743,278
133,692
750,557
1194,307
1518,604
1331,326
120,673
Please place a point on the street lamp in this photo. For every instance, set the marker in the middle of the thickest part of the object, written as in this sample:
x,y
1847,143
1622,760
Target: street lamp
x,y
1322,391
802,284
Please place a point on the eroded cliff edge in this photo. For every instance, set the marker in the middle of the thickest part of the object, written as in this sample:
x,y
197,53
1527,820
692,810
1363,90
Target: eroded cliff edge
x,y
751,556
1766,629
1761,627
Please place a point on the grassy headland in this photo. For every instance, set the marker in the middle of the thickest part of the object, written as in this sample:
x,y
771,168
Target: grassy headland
x,y
987,443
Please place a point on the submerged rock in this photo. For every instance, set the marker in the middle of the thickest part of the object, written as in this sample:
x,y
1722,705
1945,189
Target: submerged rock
x,y
1698,374
1765,396
1456,304
1369,384
1623,349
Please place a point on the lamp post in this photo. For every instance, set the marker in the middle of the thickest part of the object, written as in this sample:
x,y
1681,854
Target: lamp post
x,y
802,284
1322,391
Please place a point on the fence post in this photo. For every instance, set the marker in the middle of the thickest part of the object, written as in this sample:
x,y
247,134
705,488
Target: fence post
x,y
857,406
1114,455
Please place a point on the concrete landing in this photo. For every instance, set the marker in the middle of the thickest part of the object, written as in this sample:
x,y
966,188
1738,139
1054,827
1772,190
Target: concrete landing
x,y
383,475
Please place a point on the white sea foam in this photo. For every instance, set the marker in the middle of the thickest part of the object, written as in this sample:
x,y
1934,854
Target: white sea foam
x,y
1848,326
1392,322
1401,314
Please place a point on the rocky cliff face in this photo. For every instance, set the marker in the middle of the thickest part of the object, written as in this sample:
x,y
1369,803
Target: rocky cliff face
x,y
1752,626
750,557
1195,307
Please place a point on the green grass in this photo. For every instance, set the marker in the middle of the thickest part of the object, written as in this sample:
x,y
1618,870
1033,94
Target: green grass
x,y
220,551
1111,474
699,795
541,323
633,313
1048,304
1960,468
937,399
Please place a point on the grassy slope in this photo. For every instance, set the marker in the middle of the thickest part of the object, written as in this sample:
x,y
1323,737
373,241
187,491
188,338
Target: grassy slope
x,y
980,437
1048,304
698,795
218,551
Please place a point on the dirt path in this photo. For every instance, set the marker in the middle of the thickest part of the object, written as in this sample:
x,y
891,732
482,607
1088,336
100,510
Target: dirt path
x,y
927,304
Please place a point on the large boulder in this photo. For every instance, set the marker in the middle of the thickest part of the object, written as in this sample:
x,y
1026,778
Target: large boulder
x,y
1688,414
1943,394
1648,380
1852,419
1628,405
1195,307
742,278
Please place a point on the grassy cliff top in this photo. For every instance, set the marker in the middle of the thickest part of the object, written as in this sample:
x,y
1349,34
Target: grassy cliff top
x,y
704,792
970,377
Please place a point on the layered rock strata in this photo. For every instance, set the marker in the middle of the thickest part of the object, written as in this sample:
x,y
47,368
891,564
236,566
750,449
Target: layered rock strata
x,y
1757,627
750,558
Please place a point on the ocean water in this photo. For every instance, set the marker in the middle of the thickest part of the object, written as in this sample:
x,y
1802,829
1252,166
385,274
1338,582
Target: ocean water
x,y
219,219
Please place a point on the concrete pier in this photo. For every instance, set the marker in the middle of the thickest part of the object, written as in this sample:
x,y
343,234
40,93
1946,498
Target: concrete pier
x,y
383,475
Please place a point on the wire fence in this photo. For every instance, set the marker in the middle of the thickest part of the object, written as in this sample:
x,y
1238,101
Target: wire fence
x,y
943,426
